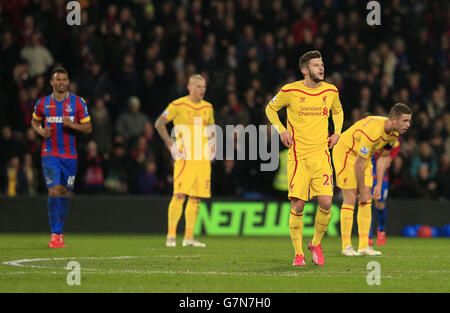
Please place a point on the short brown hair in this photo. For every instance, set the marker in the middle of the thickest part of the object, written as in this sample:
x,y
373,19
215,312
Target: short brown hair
x,y
398,109
304,59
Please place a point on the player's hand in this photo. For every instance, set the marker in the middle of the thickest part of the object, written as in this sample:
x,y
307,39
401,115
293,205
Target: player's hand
x,y
286,139
364,195
376,192
212,153
46,132
176,153
67,122
333,140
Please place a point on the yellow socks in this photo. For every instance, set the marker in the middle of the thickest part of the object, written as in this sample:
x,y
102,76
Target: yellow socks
x,y
190,216
346,224
296,230
321,224
364,219
175,211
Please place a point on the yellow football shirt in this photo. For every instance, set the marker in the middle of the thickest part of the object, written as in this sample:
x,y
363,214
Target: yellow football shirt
x,y
367,136
190,120
308,110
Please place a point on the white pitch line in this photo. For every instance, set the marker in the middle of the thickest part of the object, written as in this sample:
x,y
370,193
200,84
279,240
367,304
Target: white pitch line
x,y
20,263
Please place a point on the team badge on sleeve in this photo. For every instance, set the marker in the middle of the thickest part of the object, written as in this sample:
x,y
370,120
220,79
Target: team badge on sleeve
x,y
364,150
165,113
273,99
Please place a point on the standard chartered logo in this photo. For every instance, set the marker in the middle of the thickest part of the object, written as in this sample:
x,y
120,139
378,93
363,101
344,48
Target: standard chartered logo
x,y
257,219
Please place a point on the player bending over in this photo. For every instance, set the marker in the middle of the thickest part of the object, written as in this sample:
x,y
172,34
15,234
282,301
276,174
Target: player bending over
x,y
353,165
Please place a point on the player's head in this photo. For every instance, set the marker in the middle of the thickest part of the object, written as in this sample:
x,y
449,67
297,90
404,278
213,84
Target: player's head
x,y
59,80
197,87
400,115
311,66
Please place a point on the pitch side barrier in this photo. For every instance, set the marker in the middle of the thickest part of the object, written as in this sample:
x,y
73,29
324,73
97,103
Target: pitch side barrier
x,y
217,216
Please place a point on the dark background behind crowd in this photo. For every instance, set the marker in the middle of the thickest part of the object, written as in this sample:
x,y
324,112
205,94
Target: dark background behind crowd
x,y
129,59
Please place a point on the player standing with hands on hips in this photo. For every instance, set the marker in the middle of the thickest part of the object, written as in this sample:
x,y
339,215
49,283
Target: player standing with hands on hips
x,y
62,113
192,168
308,103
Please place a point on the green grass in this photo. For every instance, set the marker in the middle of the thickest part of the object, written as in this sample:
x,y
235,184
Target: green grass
x,y
228,264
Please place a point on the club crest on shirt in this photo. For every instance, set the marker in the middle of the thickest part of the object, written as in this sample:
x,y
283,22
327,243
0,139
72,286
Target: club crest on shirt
x,y
68,108
273,99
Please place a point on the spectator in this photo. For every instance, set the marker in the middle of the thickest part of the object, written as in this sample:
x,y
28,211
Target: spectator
x,y
234,112
443,177
400,183
425,187
30,174
38,56
33,145
9,146
92,170
130,124
13,179
425,159
148,181
101,125
437,104
116,181
128,79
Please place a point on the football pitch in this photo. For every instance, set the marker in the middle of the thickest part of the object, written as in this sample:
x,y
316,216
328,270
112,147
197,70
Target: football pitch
x,y
142,263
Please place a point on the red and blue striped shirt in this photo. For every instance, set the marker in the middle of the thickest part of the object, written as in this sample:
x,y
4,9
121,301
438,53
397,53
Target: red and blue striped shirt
x,y
62,142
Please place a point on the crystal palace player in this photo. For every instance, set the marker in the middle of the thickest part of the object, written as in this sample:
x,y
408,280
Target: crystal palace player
x,y
380,205
308,103
62,113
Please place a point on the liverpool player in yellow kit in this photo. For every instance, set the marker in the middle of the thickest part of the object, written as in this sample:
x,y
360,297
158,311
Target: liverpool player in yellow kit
x,y
191,115
308,103
353,166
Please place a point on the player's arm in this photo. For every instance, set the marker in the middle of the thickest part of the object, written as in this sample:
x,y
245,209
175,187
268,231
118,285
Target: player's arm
x,y
363,152
85,127
383,162
37,126
272,108
160,126
36,120
360,168
338,121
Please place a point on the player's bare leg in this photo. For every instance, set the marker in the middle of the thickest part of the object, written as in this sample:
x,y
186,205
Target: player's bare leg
x,y
323,217
191,214
296,230
174,214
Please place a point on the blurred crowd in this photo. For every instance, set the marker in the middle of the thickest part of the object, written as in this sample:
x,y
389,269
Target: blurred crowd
x,y
129,59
